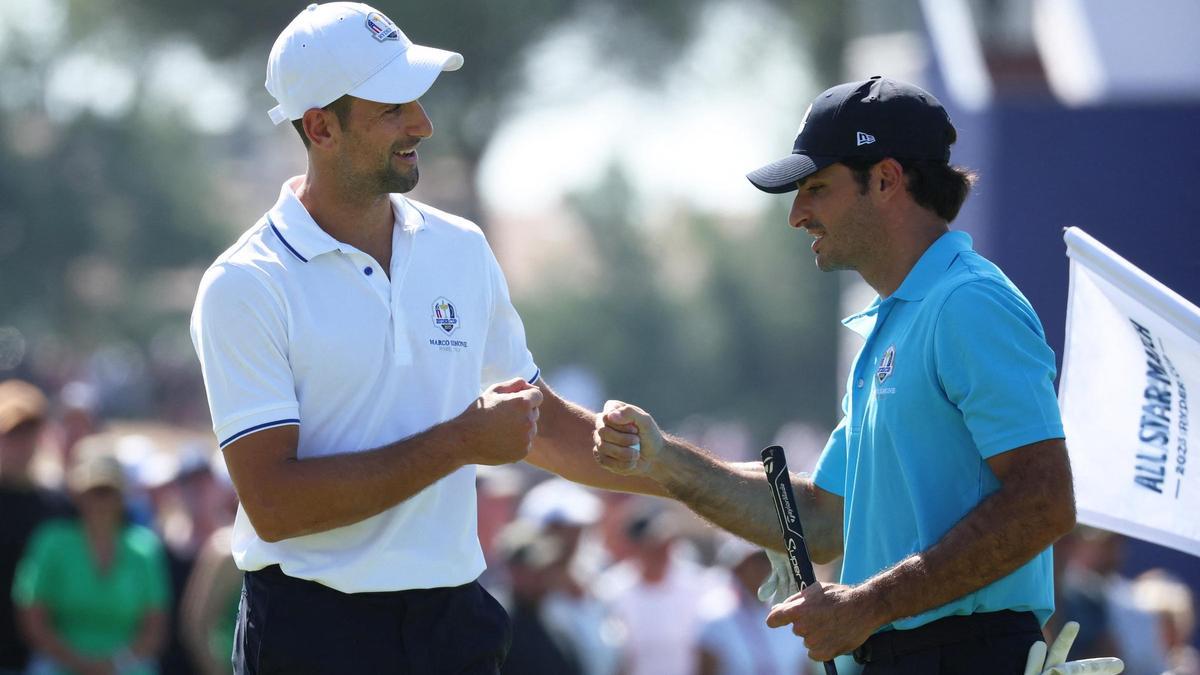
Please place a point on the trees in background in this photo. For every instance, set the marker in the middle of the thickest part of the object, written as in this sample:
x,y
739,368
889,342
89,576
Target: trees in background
x,y
108,214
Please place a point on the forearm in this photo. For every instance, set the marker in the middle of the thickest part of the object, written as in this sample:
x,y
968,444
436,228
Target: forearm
x,y
1005,531
285,496
737,498
305,496
564,446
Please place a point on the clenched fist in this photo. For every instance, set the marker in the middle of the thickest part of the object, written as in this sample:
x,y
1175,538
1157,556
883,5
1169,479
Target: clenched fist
x,y
626,440
499,427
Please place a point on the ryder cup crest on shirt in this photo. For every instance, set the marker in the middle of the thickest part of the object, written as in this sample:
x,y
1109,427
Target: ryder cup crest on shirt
x,y
445,316
886,365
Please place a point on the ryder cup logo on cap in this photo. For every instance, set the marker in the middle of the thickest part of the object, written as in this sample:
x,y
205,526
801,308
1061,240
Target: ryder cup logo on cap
x,y
340,48
382,27
868,119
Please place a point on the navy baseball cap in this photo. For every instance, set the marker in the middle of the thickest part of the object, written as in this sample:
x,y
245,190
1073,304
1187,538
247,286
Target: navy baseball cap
x,y
871,119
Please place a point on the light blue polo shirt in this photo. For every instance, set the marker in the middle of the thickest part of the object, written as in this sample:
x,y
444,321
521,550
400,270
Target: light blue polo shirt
x,y
955,370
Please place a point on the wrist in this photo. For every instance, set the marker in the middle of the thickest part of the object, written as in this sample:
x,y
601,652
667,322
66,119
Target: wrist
x,y
664,466
455,435
871,602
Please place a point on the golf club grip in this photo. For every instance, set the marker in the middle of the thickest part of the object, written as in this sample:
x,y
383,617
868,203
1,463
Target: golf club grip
x,y
775,464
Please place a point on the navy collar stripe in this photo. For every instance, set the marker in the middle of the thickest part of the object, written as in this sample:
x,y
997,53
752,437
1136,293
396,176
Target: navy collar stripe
x,y
285,241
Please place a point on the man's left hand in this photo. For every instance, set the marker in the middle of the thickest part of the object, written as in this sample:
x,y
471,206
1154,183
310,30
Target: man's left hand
x,y
833,619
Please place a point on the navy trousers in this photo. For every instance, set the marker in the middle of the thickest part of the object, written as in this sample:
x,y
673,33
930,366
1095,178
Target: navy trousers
x,y
995,643
300,627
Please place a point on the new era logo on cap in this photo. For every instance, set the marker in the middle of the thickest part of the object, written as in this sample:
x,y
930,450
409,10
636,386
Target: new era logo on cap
x,y
865,138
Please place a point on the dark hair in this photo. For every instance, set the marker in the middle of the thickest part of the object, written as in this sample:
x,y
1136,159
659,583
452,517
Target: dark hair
x,y
340,107
937,186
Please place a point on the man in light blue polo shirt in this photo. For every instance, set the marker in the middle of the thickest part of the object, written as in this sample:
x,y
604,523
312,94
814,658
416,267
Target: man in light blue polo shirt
x,y
955,365
947,479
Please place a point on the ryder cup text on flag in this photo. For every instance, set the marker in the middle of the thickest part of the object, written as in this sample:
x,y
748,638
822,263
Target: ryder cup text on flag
x,y
1131,371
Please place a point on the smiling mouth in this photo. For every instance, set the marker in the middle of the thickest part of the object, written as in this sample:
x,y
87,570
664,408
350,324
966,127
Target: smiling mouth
x,y
411,153
816,240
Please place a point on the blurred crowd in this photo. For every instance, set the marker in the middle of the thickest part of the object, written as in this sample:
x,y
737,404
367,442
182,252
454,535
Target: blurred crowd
x,y
114,557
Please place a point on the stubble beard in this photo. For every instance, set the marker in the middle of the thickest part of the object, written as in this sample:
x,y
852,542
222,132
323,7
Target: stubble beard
x,y
824,261
396,181
386,179
857,239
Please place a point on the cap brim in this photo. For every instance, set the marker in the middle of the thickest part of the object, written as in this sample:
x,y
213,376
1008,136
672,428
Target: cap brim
x,y
408,76
782,175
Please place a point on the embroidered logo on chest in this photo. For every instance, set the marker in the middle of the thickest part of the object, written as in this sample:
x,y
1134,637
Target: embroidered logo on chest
x,y
445,316
886,365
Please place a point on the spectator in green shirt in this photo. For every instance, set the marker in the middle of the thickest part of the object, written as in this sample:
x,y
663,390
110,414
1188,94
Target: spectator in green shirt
x,y
92,593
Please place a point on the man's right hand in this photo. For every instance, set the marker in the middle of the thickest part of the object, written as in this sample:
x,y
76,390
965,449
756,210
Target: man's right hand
x,y
499,427
627,440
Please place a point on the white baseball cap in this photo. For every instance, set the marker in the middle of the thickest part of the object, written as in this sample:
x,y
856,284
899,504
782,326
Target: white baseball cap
x,y
556,501
341,48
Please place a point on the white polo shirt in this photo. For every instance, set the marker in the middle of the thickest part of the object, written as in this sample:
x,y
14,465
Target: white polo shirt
x,y
295,327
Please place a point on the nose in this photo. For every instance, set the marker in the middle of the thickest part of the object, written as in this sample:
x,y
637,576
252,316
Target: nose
x,y
417,122
800,214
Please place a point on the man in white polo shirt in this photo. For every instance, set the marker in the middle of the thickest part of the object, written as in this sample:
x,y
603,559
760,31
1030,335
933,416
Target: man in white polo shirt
x,y
361,355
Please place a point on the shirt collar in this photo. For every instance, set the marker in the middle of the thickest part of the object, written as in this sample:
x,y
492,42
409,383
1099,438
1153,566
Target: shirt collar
x,y
306,240
932,263
408,215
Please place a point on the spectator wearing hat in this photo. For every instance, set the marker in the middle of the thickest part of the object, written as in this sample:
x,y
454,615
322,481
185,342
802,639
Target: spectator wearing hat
x,y
23,504
92,592
1170,602
536,563
566,512
655,594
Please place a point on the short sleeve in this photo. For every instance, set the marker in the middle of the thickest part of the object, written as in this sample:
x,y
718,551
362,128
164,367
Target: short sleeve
x,y
830,474
34,576
505,354
239,330
994,364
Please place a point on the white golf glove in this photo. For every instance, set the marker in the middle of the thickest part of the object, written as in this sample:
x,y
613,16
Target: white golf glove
x,y
779,584
1054,661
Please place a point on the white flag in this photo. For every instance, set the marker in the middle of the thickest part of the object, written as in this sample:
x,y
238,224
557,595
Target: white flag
x,y
1131,370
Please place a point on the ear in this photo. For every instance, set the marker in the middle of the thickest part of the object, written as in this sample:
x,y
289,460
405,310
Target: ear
x,y
321,127
888,178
